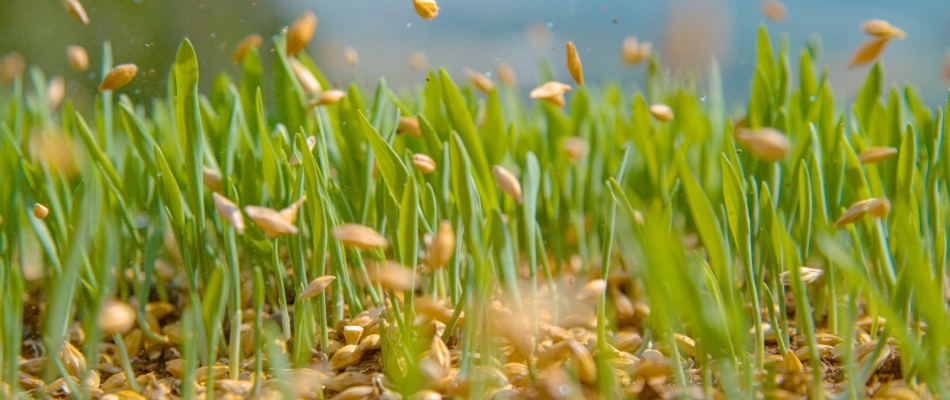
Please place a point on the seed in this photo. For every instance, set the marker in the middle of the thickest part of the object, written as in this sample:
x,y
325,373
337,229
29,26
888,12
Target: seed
x,y
55,92
592,291
505,74
115,316
808,275
133,342
76,10
409,126
439,353
792,364
867,52
308,82
118,77
345,357
356,393
40,211
507,182
347,380
882,29
661,112
233,386
632,52
350,56
552,92
359,236
653,367
369,342
443,246
211,178
774,10
311,143
271,222
876,154
352,334
73,359
856,211
418,61
289,213
627,341
481,82
881,208
11,65
583,362
538,35
240,51
393,276
685,344
576,148
301,32
332,96
316,287
229,212
427,394
423,163
766,144
426,9
574,63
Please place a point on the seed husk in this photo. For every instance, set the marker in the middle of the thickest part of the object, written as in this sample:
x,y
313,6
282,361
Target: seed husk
x,y
270,221
552,92
574,63
359,236
592,290
352,334
345,357
443,246
661,112
308,82
351,57
774,10
792,364
289,213
481,82
505,74
11,65
426,9
229,212
633,52
118,77
316,287
423,163
882,29
766,144
876,154
115,316
409,126
369,342
331,96
507,182
73,359
75,8
861,208
40,211
867,52
240,51
418,61
301,32
808,275
55,92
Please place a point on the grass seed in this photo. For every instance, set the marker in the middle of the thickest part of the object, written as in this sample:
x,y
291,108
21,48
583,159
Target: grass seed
x,y
316,287
359,236
876,154
774,10
868,52
505,74
115,316
270,221
55,92
507,182
633,52
443,246
289,213
332,96
250,41
426,9
77,57
301,32
808,275
12,65
423,163
308,82
661,112
118,77
75,8
481,82
882,29
592,291
409,126
40,211
766,144
552,92
229,212
350,56
574,63
418,61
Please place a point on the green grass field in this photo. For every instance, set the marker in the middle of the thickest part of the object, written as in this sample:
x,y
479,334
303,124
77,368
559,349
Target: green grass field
x,y
213,244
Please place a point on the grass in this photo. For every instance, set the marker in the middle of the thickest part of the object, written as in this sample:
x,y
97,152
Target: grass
x,y
680,233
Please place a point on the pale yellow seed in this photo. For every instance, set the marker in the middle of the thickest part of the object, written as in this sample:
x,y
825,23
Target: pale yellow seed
x,y
359,236
882,29
289,213
423,163
316,287
774,10
393,276
426,9
574,63
538,35
792,364
351,57
75,8
115,316
856,211
633,52
249,41
507,182
331,96
78,58
55,92
766,144
443,246
592,290
409,126
808,275
685,344
876,154
211,178
348,379
270,221
661,112
481,82
552,92
356,393
352,334
73,359
308,82
118,77
11,65
439,354
418,61
576,148
867,52
881,208
301,32
505,74
229,212
345,357
40,211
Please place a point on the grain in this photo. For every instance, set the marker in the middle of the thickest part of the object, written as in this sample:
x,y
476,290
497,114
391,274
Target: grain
x,y
75,8
808,275
12,65
574,63
576,148
270,221
418,61
308,82
592,291
661,112
316,287
505,74
443,246
858,210
507,182
876,154
766,144
301,32
40,211
229,212
78,59
118,77
774,10
552,92
393,276
350,56
359,236
240,51
289,213
481,82
426,9
55,92
633,52
423,163
211,178
345,357
332,96
882,29
867,52
115,316
352,334
409,126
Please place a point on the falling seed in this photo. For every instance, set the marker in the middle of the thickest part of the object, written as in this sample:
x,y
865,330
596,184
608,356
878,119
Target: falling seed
x,y
350,56
359,236
574,63
115,316
552,92
78,59
507,182
426,9
393,276
774,10
592,291
308,82
301,32
55,92
538,35
76,10
229,212
856,211
73,359
240,51
11,65
423,163
40,211
352,334
211,178
331,96
443,246
289,213
766,144
316,287
876,154
881,208
632,52
481,82
270,221
661,112
576,148
118,77
505,74
345,357
808,275
867,52
418,61
882,29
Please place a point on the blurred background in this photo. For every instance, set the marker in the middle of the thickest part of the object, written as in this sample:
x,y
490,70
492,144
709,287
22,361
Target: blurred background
x,y
477,33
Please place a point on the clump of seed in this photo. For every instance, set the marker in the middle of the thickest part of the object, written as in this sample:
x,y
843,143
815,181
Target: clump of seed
x,y
250,41
551,92
332,96
118,77
766,144
423,163
882,29
876,154
308,82
229,212
633,52
808,275
78,59
877,207
481,82
316,287
867,52
11,65
443,246
426,9
55,92
574,63
505,74
774,10
301,32
409,126
418,61
359,236
75,8
507,182
661,112
270,221
40,211
350,56
115,316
